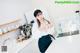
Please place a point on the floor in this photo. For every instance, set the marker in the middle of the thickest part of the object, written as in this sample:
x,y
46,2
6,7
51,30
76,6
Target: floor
x,y
31,48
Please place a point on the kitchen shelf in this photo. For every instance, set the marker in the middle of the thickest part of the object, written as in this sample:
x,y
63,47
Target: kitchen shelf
x,y
8,22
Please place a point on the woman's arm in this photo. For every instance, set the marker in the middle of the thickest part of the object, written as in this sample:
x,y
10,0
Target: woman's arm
x,y
52,27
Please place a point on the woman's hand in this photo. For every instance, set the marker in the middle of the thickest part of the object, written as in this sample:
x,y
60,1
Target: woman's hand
x,y
51,23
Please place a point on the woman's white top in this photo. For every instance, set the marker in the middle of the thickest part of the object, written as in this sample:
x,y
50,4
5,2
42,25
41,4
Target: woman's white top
x,y
36,33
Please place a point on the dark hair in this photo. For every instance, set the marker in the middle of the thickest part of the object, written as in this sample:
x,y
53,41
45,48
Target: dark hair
x,y
36,12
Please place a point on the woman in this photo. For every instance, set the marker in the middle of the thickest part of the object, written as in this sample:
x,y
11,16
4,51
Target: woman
x,y
43,32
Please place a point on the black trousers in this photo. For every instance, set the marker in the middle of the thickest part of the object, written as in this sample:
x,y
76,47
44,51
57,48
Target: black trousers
x,y
44,43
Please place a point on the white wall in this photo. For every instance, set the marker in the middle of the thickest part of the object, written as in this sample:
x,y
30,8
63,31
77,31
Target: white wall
x,y
56,10
14,8
17,8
